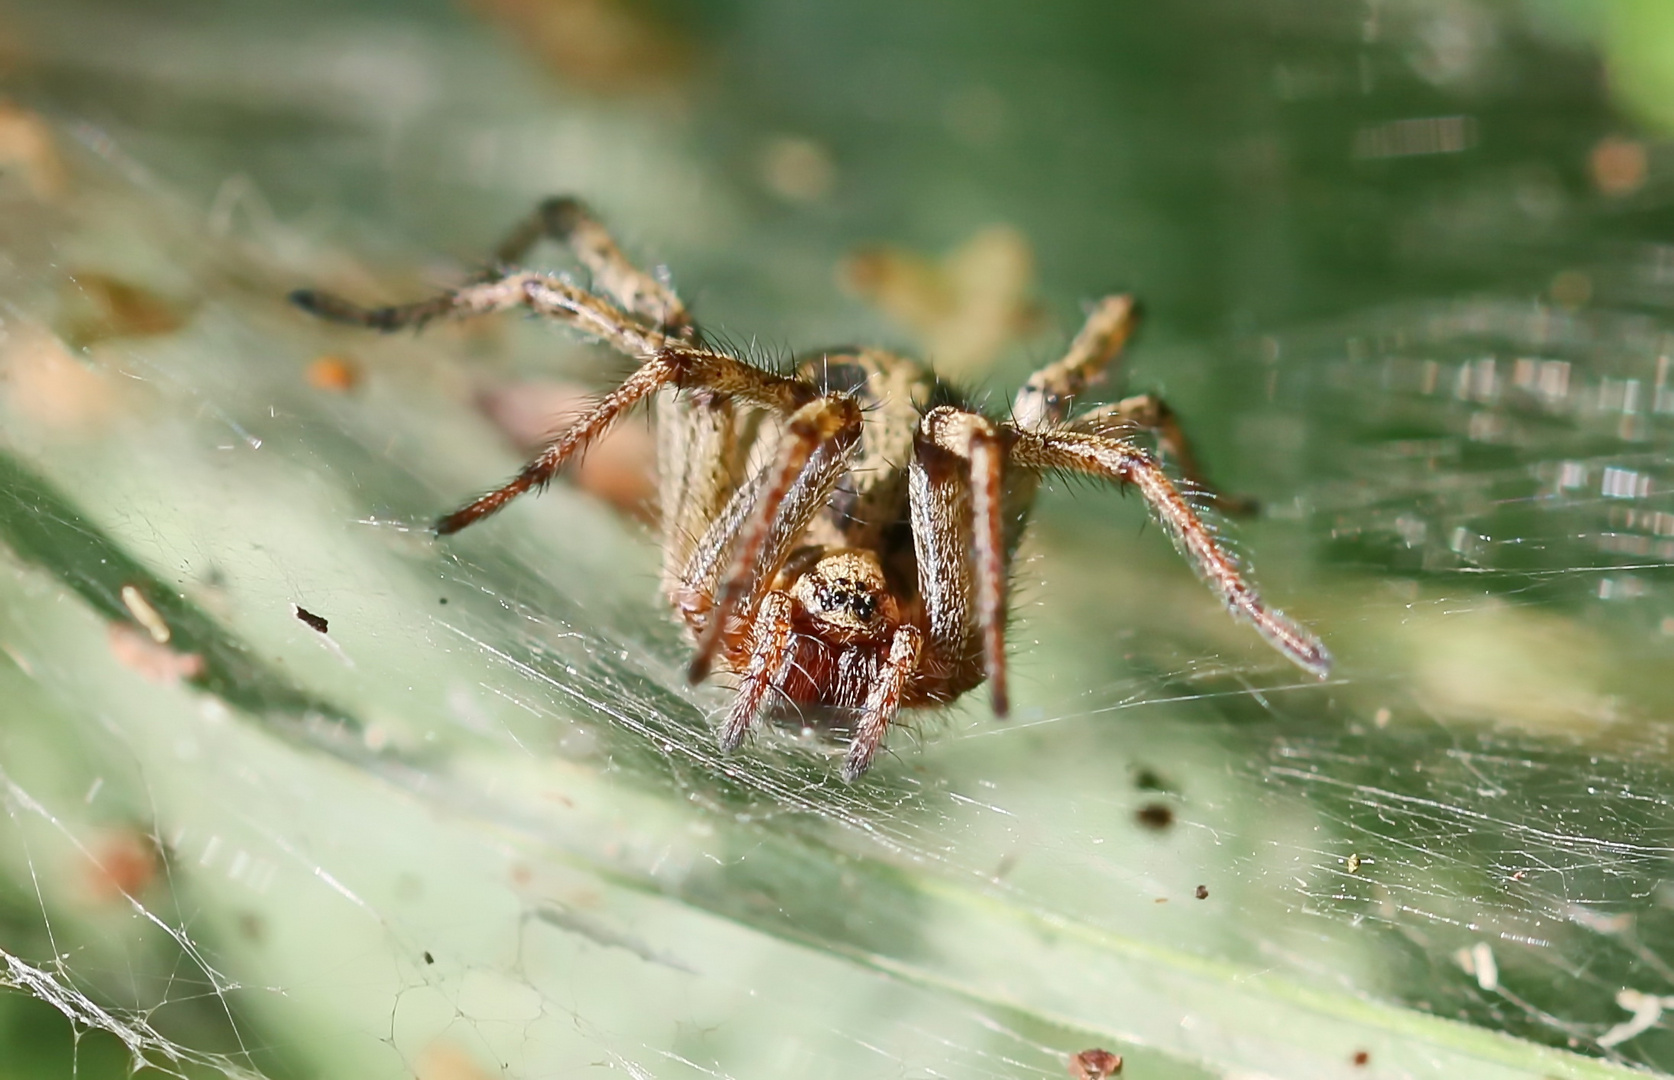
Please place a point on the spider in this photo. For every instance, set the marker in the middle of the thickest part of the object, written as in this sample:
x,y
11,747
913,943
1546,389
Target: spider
x,y
838,538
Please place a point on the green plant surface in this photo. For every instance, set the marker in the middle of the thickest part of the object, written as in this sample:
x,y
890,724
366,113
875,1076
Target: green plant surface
x,y
1400,287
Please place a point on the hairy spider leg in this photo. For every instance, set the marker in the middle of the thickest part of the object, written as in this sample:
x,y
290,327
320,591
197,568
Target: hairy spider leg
x,y
1114,459
976,441
1045,399
884,700
664,361
771,653
568,221
831,419
938,501
1148,412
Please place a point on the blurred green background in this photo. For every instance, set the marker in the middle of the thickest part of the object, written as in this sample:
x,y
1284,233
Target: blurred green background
x,y
1408,281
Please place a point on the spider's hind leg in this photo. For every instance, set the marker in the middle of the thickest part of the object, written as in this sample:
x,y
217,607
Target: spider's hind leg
x,y
566,220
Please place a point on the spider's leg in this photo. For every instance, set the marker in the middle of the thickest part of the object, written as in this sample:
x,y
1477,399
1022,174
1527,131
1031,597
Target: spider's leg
x,y
1118,460
1045,399
824,421
884,700
649,377
693,366
771,652
568,221
938,524
1151,413
543,294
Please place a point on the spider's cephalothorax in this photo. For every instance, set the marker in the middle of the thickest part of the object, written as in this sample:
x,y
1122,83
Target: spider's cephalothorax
x,y
839,537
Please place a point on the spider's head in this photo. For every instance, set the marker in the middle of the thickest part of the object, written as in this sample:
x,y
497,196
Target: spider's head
x,y
846,597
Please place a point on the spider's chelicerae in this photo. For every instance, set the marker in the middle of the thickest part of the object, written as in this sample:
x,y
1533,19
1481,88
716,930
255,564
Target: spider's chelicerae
x,y
840,537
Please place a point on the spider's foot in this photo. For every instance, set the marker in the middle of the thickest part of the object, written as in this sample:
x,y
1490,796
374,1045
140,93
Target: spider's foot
x,y
324,305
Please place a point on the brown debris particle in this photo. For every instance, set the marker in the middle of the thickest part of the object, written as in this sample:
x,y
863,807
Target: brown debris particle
x,y
103,307
1201,892
336,373
611,46
121,863
1618,166
444,1060
314,622
797,170
1095,1064
1155,815
158,663
1361,1057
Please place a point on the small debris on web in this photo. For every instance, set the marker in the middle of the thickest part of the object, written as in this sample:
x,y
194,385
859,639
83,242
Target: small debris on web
x,y
1095,1064
1353,862
1361,1058
1157,816
122,863
314,622
1478,960
1146,778
146,615
1647,1012
338,374
102,306
1202,892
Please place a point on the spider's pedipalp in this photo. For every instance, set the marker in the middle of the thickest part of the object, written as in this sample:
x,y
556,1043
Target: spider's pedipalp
x,y
1121,461
771,652
884,700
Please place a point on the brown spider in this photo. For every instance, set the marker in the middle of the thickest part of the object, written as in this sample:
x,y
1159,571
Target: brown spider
x,y
840,537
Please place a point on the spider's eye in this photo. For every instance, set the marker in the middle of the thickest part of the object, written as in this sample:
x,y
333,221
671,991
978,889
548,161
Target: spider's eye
x,y
845,598
847,591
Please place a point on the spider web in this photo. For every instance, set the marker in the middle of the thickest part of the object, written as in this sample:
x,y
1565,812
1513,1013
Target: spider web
x,y
476,825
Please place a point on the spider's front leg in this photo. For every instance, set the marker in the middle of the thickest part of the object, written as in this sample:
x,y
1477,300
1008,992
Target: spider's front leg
x,y
956,486
1047,399
1112,458
1148,412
